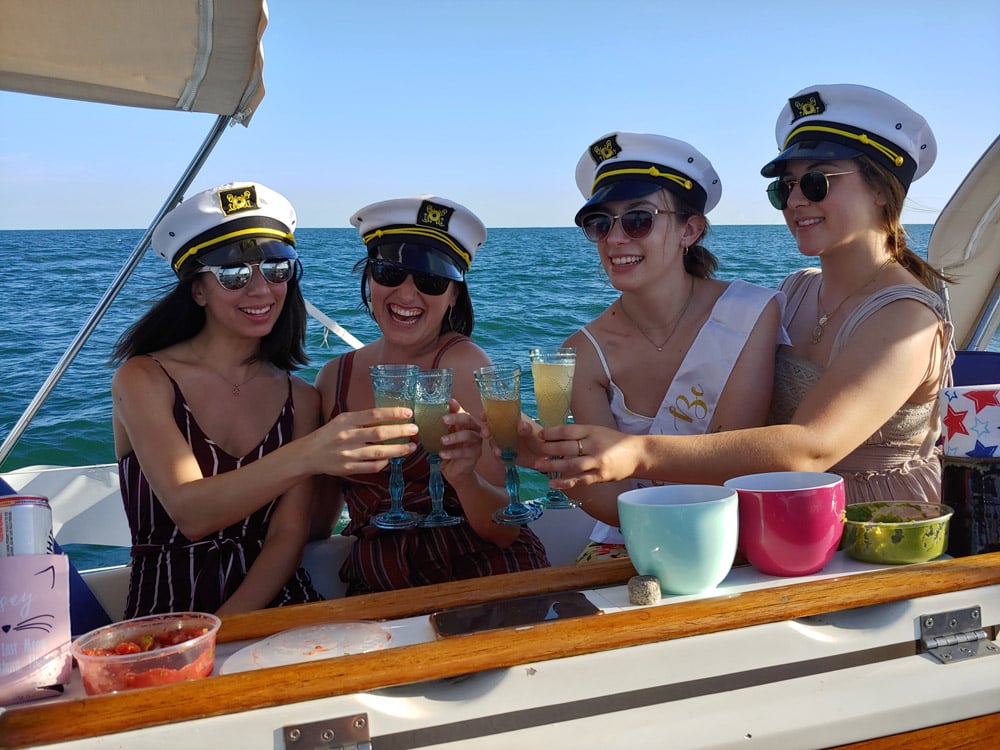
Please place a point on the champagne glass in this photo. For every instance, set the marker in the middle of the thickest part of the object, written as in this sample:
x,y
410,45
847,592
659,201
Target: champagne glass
x,y
429,407
395,385
552,372
500,388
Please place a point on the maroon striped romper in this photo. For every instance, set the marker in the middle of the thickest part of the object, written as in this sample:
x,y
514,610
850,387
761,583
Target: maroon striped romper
x,y
383,560
170,573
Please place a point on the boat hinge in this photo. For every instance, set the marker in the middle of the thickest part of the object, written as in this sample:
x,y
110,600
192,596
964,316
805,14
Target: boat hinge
x,y
342,733
953,636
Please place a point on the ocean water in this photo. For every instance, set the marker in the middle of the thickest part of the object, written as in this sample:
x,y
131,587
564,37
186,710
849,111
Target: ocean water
x,y
530,287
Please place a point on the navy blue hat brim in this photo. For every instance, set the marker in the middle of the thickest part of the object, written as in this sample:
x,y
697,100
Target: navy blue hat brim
x,y
618,191
417,257
250,250
813,151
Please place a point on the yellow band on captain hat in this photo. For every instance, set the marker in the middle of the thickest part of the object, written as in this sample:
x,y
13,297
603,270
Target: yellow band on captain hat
x,y
233,236
424,232
863,138
651,171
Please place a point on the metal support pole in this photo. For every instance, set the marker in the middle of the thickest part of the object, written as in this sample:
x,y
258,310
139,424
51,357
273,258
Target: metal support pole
x,y
123,275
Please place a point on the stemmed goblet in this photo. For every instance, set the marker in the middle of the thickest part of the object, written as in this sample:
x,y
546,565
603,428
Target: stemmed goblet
x,y
395,385
429,407
552,372
500,389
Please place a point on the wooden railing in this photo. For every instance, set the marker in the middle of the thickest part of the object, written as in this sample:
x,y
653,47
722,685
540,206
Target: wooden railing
x,y
70,719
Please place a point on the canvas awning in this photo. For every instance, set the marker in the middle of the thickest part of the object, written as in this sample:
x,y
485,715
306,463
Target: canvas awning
x,y
965,244
190,55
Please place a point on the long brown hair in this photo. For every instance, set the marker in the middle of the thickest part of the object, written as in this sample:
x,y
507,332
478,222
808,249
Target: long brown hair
x,y
882,180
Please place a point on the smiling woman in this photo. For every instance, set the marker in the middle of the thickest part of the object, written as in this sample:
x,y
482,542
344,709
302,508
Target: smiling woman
x,y
413,284
678,352
856,390
216,440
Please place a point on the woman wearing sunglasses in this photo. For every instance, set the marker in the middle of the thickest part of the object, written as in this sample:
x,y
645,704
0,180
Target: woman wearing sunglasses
x,y
678,352
856,391
216,440
413,284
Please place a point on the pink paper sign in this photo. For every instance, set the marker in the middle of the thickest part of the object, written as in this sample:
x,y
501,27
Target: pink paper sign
x,y
34,626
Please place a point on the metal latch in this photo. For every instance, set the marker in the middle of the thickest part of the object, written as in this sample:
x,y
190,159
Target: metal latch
x,y
342,733
953,636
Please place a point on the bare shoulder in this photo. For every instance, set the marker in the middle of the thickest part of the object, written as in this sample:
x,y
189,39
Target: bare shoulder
x,y
140,373
327,375
465,354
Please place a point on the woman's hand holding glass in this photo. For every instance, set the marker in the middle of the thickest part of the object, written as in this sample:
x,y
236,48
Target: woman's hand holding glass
x,y
582,455
361,442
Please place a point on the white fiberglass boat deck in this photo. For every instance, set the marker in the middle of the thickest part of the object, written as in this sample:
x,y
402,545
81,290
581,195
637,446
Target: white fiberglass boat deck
x,y
816,661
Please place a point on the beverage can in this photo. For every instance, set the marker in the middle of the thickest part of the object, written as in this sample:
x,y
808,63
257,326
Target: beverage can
x,y
25,525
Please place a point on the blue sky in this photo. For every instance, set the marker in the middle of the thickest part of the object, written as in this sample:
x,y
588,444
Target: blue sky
x,y
491,103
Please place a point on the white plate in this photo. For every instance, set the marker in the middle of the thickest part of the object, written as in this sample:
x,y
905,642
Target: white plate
x,y
309,643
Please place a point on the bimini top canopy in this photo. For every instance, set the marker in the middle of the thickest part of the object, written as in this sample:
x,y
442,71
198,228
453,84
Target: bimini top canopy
x,y
965,244
190,55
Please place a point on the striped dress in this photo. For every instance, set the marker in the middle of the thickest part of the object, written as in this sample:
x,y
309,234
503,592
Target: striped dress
x,y
384,560
170,573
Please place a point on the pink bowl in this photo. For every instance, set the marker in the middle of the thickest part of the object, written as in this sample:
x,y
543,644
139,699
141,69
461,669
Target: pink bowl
x,y
790,521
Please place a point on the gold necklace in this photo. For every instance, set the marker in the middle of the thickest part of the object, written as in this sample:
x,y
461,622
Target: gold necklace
x,y
673,324
824,317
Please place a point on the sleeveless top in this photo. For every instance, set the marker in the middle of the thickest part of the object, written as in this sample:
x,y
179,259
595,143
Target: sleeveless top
x,y
899,461
693,395
170,573
389,559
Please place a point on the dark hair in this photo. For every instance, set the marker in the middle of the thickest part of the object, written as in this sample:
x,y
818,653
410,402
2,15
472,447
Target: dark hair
x,y
882,180
698,259
459,318
177,317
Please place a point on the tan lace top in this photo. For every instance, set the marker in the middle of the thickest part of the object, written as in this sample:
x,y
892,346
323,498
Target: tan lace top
x,y
899,461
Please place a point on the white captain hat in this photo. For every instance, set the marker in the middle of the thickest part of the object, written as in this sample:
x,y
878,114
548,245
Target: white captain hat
x,y
622,166
828,122
424,233
231,223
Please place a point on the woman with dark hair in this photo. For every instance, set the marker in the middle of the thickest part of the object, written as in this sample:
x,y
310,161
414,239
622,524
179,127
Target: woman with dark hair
x,y
217,441
413,284
856,391
678,352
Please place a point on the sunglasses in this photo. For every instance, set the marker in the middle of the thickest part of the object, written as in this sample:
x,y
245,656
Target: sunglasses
x,y
814,187
387,274
636,223
238,275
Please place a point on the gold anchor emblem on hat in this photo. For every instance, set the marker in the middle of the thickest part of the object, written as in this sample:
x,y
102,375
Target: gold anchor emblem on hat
x,y
808,104
242,199
434,215
606,149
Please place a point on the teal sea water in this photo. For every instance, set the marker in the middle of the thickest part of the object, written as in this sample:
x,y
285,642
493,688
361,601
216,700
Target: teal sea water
x,y
530,287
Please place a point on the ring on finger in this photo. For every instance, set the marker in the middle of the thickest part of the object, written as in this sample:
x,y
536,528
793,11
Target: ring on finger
x,y
579,447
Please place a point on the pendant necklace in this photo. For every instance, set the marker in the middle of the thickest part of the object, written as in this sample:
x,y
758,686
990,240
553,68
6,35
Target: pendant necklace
x,y
824,317
236,386
673,324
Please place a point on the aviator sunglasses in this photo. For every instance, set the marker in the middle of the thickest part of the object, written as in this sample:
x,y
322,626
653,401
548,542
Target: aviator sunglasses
x,y
238,275
636,223
387,274
814,186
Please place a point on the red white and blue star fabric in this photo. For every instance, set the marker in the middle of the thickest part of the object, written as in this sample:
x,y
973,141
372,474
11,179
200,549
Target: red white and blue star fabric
x,y
970,421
